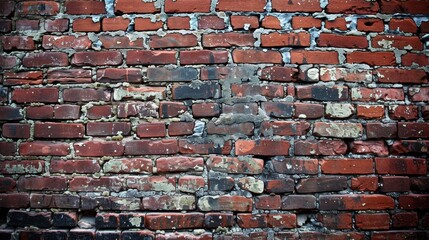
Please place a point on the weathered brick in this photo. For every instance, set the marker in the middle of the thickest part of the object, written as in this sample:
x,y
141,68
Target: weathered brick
x,y
413,130
381,130
74,166
128,165
152,183
280,74
389,75
64,219
107,128
225,203
203,91
57,25
228,39
145,57
321,184
44,148
263,147
169,202
356,202
278,109
322,147
107,221
85,95
19,218
172,75
214,220
22,167
64,42
55,76
268,202
236,165
269,91
338,130
298,202
173,40
296,166
419,94
148,147
378,148
397,42
59,130
239,128
403,112
370,25
98,148
377,94
322,93
131,220
191,184
120,42
111,58
95,185
46,59
401,166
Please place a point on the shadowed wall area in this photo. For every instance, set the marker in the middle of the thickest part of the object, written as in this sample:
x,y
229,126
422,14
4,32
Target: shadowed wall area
x,y
214,119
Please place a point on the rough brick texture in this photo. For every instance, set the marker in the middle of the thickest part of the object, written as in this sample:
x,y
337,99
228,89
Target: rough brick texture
x,y
214,119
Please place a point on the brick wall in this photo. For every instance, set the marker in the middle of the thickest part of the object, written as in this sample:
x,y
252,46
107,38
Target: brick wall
x,y
201,119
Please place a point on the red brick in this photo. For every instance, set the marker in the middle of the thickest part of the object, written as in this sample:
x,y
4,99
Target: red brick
x,y
296,6
263,147
80,184
159,221
27,25
419,94
414,201
322,147
256,56
145,57
405,219
305,22
46,59
146,24
148,147
321,184
244,22
205,109
398,42
228,39
403,112
181,128
45,95
86,25
365,183
409,147
203,57
64,42
15,200
173,40
59,130
21,78
8,62
268,202
370,25
178,23
189,6
376,221
269,91
115,75
89,7
44,8
356,202
424,27
380,130
16,130
205,147
388,75
98,148
378,148
115,24
107,128
149,130
352,6
111,58
413,130
337,23
372,58
401,166
410,59
347,166
282,220
281,74
403,25
236,165
296,166
211,22
241,5
85,95
370,111
271,22
298,202
309,110
132,6
97,112
179,164
285,128
44,148
314,57
336,220
395,184
301,39
377,94
42,183
342,41
74,166
409,7
57,25
248,220
22,167
128,165
69,76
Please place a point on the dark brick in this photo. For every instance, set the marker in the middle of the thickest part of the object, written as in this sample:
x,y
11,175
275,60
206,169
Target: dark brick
x,y
180,74
203,91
